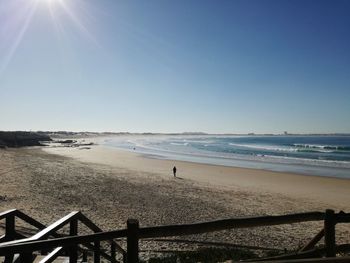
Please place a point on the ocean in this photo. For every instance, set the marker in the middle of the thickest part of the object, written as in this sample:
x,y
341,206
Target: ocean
x,y
310,155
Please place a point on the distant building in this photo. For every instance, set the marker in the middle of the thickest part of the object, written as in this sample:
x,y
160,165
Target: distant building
x,y
285,133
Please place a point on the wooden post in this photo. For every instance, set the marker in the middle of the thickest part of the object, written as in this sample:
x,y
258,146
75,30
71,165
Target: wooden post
x,y
133,241
26,257
73,250
85,256
329,233
10,233
113,251
97,252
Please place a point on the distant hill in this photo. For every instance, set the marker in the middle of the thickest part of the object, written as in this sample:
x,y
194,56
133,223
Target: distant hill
x,y
21,139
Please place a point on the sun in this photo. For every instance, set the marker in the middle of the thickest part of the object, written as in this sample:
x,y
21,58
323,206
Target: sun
x,y
59,12
50,2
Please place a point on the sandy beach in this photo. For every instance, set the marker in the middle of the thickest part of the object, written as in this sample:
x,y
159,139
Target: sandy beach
x,y
333,192
110,186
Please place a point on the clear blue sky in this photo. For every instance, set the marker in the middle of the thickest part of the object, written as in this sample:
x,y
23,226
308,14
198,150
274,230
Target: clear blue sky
x,y
171,66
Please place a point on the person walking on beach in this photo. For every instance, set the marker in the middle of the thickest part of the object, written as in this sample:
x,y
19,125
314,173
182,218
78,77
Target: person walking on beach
x,y
174,171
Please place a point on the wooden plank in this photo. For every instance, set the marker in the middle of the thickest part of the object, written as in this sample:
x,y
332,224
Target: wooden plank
x,y
7,248
311,244
30,220
160,231
3,215
47,231
342,217
52,256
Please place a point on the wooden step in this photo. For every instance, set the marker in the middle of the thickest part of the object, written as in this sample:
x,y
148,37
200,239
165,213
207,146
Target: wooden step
x,y
38,259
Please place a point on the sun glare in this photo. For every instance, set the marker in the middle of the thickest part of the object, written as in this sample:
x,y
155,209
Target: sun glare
x,y
59,11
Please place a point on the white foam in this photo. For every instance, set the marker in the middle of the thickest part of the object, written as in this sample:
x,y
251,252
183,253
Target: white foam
x,y
265,147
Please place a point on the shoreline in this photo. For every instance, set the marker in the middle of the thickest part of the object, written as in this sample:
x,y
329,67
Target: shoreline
x,y
254,159
48,186
327,190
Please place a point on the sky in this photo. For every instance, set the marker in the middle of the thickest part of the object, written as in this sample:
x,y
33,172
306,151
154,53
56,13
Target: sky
x,y
230,66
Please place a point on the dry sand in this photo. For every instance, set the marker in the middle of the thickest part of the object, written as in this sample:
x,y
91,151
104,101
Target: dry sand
x,y
110,186
333,192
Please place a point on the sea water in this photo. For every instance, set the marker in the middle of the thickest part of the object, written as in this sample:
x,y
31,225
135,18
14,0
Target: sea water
x,y
313,155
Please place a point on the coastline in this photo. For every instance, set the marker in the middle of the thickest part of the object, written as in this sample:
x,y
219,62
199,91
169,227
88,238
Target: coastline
x,y
109,190
334,192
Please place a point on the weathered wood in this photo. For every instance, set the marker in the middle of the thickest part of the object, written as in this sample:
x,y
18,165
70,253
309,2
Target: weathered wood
x,y
10,231
47,231
97,248
329,233
133,241
162,231
7,213
311,244
198,228
73,250
342,217
29,220
113,252
52,256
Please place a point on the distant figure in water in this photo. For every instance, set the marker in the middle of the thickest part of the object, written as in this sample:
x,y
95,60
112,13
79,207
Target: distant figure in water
x,y
174,171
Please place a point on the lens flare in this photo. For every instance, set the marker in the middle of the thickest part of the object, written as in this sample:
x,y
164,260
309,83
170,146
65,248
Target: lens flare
x,y
22,13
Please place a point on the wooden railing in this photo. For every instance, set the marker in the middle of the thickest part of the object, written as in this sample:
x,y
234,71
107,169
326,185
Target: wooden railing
x,y
10,228
72,219
134,233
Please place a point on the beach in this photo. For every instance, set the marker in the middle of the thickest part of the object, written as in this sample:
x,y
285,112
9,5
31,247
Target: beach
x,y
109,186
333,192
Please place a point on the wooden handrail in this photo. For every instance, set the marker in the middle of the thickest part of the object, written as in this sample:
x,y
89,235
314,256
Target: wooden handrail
x,y
7,213
18,213
159,231
51,230
46,231
36,242
198,228
342,217
16,248
30,220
